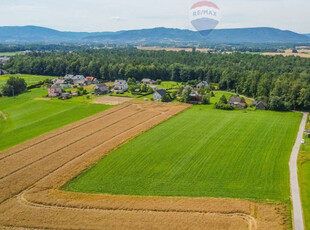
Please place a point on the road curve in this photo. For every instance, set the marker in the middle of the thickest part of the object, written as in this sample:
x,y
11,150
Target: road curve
x,y
298,219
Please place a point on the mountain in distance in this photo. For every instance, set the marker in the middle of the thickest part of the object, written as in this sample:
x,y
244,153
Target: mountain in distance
x,y
308,35
34,34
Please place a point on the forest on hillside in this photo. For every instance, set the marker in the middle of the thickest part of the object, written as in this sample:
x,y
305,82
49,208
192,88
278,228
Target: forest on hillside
x,y
284,82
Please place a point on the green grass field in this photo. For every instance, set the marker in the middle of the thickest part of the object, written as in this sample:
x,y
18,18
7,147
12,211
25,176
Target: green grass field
x,y
28,118
170,85
10,54
202,152
304,177
30,79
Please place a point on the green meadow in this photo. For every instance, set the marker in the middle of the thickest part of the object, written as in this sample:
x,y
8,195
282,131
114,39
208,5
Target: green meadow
x,y
30,79
25,117
202,152
304,177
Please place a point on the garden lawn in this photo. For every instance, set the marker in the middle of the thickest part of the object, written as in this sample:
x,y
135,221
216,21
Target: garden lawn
x,y
304,177
28,118
30,79
202,152
170,85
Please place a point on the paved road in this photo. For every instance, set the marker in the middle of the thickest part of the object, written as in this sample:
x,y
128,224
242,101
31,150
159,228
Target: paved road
x,y
298,219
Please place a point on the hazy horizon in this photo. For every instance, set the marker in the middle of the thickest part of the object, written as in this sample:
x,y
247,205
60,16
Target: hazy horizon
x,y
116,15
191,29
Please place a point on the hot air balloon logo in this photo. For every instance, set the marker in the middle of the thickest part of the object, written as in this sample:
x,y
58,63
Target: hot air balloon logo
x,y
205,17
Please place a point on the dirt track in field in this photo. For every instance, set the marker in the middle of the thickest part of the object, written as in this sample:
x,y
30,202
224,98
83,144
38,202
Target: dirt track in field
x,y
3,115
32,173
111,100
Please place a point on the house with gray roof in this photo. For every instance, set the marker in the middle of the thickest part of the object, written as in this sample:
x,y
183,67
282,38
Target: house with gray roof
x,y
158,95
101,89
120,85
202,84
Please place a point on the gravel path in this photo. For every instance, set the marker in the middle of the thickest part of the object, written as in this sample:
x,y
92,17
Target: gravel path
x,y
298,219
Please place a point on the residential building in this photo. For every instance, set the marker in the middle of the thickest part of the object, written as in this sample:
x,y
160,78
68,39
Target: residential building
x,y
78,77
3,72
146,81
4,60
236,101
158,95
91,80
54,91
120,85
68,76
101,89
79,82
201,84
260,105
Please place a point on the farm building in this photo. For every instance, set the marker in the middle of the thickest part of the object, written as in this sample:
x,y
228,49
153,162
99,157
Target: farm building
x,y
260,105
236,101
196,98
158,95
202,84
91,80
101,89
54,91
120,85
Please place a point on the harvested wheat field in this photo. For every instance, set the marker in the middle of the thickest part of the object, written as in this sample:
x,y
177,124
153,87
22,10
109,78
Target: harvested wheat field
x,y
154,48
32,173
110,100
302,55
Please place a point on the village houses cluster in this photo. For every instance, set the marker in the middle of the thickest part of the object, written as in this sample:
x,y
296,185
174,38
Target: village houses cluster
x,y
74,81
58,89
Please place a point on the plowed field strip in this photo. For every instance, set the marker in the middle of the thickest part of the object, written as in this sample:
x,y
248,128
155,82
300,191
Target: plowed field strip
x,y
11,165
63,130
15,183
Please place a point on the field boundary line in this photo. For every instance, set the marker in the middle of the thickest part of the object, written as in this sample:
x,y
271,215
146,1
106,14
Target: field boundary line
x,y
50,154
298,220
80,125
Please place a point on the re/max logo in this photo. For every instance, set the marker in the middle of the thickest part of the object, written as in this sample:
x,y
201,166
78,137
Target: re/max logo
x,y
204,12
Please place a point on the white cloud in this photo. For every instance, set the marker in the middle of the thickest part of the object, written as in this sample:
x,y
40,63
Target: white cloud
x,y
117,18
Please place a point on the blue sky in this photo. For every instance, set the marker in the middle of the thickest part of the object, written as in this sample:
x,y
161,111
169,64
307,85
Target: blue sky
x,y
114,15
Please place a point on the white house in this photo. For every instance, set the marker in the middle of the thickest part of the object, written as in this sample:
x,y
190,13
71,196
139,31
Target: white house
x,y
158,95
79,82
201,84
120,85
68,76
79,77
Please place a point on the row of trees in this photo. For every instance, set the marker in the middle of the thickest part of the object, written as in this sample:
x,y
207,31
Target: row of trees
x,y
282,81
